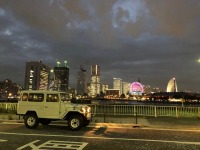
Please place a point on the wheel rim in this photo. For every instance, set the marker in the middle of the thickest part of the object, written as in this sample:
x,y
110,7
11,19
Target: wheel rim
x,y
31,121
75,123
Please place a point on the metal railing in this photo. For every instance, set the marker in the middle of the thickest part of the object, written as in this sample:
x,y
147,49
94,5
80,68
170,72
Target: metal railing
x,y
146,110
8,107
135,110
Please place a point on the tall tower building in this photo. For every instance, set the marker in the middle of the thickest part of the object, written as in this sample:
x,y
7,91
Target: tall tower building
x,y
172,86
117,84
61,77
95,80
125,87
82,81
104,88
37,76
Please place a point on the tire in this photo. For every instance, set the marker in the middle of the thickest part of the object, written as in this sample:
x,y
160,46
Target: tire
x,y
45,121
75,122
86,123
31,121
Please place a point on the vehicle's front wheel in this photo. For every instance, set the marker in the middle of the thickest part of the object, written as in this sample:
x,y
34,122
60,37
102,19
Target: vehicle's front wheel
x,y
45,121
31,121
75,122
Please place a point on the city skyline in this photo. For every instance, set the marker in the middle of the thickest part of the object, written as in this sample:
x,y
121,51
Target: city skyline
x,y
155,41
93,72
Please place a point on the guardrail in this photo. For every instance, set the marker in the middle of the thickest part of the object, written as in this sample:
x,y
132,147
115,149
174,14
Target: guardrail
x,y
135,110
146,110
8,107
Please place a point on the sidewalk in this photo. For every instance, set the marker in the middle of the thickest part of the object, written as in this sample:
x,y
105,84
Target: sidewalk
x,y
183,123
130,122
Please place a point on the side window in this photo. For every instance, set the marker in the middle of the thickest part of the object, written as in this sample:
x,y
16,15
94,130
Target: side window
x,y
35,97
52,98
25,97
64,97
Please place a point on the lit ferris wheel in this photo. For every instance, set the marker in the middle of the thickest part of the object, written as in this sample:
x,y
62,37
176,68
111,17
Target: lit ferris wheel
x,y
136,88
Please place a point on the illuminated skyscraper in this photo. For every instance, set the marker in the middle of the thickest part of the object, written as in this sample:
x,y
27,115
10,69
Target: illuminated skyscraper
x,y
104,88
61,78
117,84
95,81
172,86
95,70
37,76
126,87
82,81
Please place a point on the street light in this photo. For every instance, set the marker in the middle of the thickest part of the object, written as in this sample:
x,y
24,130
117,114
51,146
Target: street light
x,y
65,63
58,63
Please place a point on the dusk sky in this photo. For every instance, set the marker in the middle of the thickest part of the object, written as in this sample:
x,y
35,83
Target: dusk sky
x,y
155,40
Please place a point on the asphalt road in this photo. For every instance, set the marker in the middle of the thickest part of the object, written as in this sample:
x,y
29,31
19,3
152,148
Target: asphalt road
x,y
57,136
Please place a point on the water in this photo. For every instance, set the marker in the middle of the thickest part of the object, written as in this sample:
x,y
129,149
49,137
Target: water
x,y
135,102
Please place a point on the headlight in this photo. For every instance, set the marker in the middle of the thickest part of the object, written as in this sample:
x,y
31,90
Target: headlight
x,y
86,109
83,109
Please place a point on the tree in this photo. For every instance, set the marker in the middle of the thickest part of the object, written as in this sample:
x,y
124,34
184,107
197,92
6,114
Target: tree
x,y
122,95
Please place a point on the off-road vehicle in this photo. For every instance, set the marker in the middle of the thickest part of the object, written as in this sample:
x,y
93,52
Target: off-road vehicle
x,y
38,106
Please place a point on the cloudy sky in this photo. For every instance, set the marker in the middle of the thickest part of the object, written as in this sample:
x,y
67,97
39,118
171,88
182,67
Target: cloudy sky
x,y
151,39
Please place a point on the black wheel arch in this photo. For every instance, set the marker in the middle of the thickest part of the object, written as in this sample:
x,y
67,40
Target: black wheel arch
x,y
71,113
30,112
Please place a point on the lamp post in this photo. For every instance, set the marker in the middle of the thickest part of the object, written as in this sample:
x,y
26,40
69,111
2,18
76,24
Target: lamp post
x,y
58,64
65,62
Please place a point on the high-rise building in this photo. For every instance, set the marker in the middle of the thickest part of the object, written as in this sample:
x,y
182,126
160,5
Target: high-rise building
x,y
95,81
172,86
95,70
147,89
89,89
104,88
37,76
81,81
126,87
117,84
61,78
8,89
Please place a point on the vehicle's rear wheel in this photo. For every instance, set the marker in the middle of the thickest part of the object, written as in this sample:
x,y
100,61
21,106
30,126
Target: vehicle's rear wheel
x,y
75,122
45,121
31,121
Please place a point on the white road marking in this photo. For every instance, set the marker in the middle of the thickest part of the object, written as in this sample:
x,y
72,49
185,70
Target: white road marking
x,y
105,138
117,126
55,145
3,140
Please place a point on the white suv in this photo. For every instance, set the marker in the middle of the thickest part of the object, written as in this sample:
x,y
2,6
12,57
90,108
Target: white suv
x,y
44,106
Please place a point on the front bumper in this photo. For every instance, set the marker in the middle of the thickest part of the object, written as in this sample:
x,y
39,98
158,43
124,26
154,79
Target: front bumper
x,y
89,116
